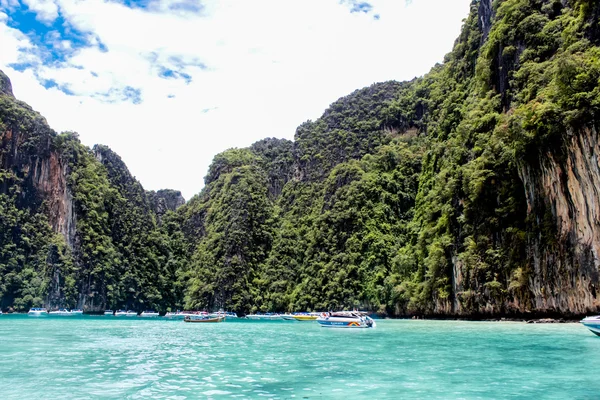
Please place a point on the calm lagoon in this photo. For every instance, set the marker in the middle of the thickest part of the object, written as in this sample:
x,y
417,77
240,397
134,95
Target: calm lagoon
x,y
108,357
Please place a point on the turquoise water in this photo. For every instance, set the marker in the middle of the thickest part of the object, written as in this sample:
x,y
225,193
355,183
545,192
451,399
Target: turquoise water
x,y
107,357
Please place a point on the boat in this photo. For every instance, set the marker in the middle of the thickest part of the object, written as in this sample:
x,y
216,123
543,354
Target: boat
x,y
345,319
149,313
203,318
592,323
77,312
183,314
264,317
123,313
37,312
62,312
288,317
226,314
306,317
109,312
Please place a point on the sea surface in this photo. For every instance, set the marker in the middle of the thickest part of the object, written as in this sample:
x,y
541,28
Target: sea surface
x,y
116,358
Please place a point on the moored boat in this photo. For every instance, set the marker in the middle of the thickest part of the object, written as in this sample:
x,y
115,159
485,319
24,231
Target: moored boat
x,y
264,317
183,314
37,312
288,317
77,312
592,323
130,313
226,314
306,317
109,312
62,312
345,319
203,318
120,313
149,313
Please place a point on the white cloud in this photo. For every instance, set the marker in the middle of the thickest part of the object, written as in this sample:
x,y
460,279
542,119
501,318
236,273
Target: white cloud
x,y
261,67
46,10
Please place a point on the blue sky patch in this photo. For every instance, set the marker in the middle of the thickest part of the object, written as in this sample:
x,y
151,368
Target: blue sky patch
x,y
186,6
357,6
51,83
55,42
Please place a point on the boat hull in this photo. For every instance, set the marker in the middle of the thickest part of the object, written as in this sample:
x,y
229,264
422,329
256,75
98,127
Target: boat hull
x,y
593,324
305,317
204,320
264,317
38,312
335,322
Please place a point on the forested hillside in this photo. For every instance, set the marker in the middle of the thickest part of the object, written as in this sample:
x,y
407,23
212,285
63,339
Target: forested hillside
x,y
470,191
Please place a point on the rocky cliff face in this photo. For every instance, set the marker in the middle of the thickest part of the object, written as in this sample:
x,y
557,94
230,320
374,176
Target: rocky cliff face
x,y
26,150
164,200
564,189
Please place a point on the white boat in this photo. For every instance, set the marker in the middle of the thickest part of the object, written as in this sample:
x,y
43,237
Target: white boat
x,y
264,317
149,313
183,314
592,323
288,317
120,313
77,311
223,314
109,312
130,313
346,319
37,312
62,312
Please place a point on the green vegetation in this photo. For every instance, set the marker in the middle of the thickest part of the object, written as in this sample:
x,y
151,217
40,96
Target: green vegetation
x,y
422,197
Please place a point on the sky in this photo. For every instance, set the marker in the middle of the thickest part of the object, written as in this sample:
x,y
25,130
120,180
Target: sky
x,y
168,84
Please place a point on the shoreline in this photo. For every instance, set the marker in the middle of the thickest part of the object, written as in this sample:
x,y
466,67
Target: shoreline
x,y
535,320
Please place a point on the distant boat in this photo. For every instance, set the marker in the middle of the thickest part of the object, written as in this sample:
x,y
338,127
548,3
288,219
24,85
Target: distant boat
x,y
149,313
227,314
123,313
264,317
62,312
109,312
306,317
77,312
183,314
288,317
201,318
130,313
592,323
345,319
37,312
